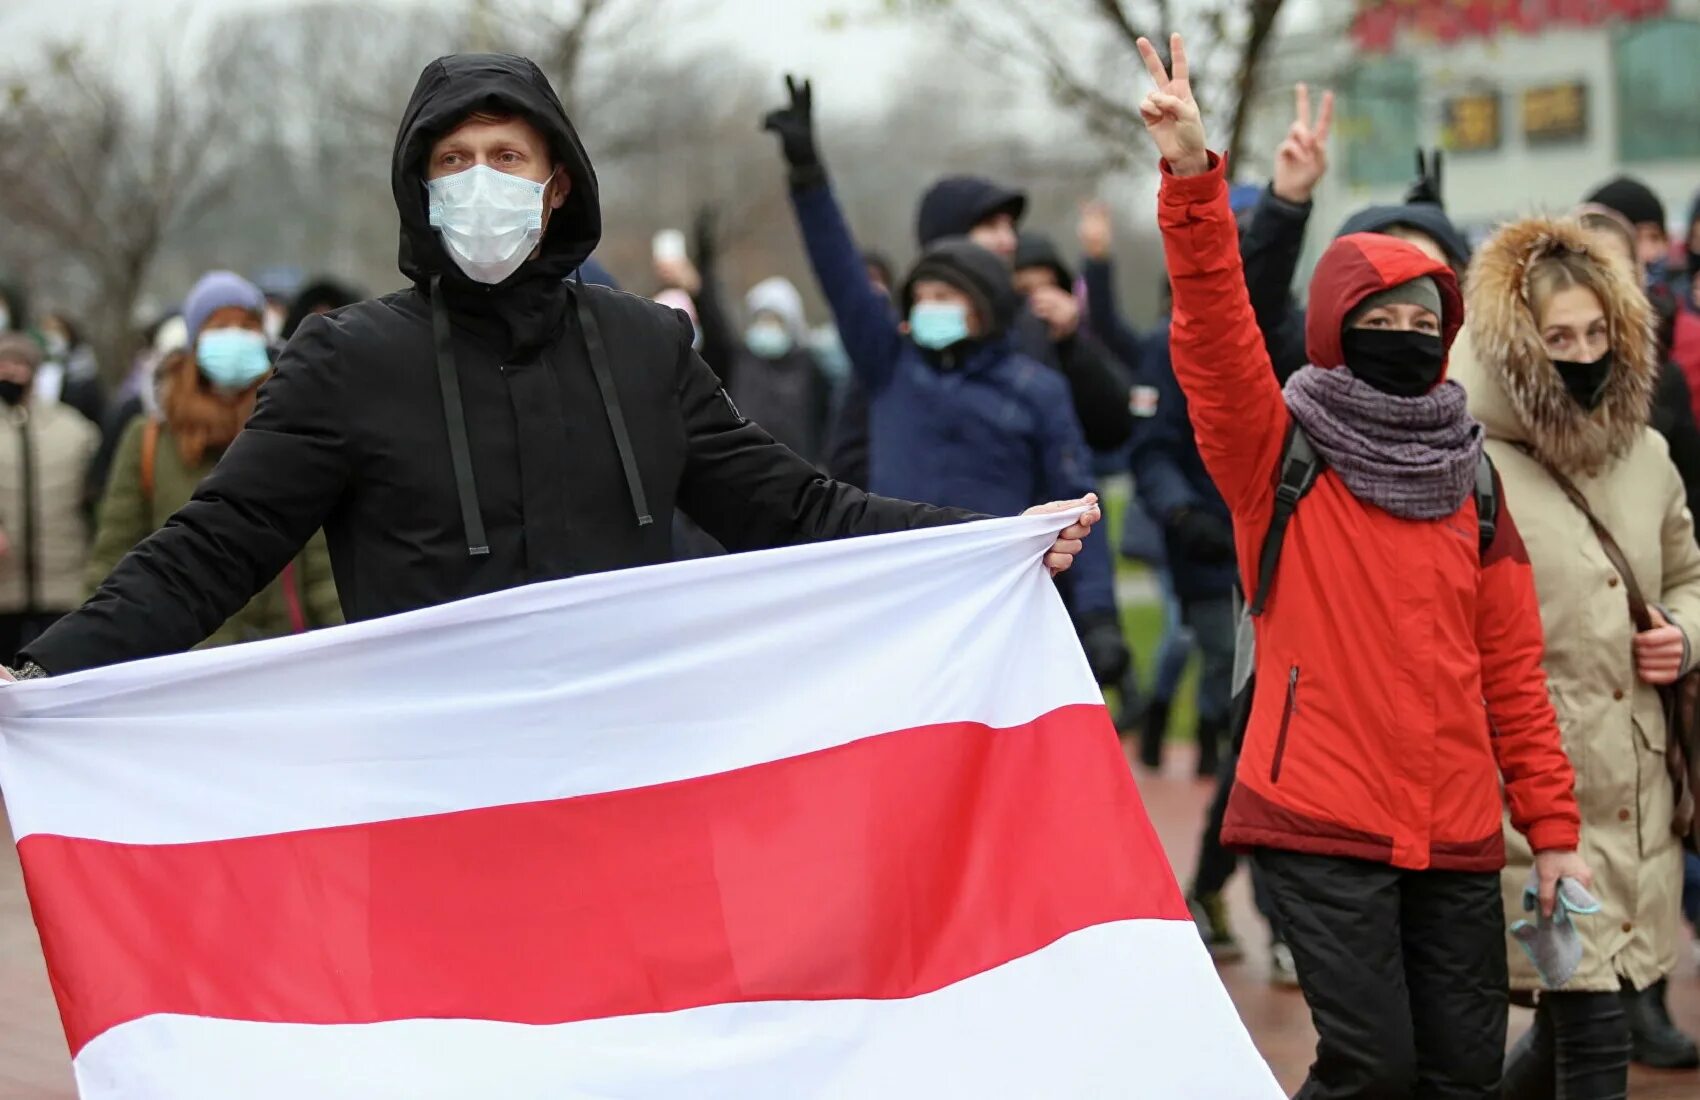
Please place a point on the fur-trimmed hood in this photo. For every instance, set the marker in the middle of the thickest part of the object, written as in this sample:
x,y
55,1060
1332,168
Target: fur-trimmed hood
x,y
1515,391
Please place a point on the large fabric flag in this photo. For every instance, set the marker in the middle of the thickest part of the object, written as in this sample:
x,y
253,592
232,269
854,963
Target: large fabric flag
x,y
845,820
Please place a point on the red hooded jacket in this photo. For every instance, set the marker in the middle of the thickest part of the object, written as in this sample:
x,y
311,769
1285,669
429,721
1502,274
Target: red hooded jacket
x,y
1398,668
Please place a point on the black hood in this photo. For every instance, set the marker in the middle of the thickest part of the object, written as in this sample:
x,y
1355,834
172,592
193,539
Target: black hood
x,y
956,204
972,270
1038,250
449,89
1425,217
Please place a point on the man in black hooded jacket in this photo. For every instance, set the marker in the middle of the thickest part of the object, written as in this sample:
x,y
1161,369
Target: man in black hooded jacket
x,y
573,416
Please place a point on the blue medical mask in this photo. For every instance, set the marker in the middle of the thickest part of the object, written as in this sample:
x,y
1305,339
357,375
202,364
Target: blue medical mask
x,y
768,339
936,325
232,358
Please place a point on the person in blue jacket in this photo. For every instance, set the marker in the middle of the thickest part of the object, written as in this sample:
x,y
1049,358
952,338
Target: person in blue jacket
x,y
956,412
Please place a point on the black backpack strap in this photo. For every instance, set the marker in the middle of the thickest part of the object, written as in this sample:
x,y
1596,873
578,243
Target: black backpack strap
x,y
1487,503
1296,474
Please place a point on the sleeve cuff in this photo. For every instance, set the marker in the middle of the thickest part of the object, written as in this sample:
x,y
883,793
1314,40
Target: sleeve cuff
x,y
1280,205
1199,188
1555,834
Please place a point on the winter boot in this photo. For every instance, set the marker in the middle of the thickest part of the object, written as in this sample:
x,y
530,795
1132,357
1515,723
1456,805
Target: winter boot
x,y
1153,732
1282,970
1210,913
1656,1041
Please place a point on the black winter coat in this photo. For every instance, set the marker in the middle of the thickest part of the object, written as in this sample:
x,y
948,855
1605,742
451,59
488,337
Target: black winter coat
x,y
566,390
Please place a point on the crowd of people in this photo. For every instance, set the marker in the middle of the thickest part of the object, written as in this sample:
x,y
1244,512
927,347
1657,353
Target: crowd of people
x,y
1429,530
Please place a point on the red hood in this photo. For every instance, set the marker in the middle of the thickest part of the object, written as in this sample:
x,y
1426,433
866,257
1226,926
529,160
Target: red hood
x,y
1356,266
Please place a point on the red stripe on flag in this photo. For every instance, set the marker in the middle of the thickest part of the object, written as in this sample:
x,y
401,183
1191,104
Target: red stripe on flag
x,y
885,868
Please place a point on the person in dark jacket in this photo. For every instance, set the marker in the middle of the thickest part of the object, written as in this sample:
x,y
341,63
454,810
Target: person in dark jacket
x,y
1045,280
319,296
573,416
776,379
958,415
986,213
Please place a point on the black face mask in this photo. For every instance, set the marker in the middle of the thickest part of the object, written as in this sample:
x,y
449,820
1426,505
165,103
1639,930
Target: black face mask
x,y
12,393
1586,381
1399,362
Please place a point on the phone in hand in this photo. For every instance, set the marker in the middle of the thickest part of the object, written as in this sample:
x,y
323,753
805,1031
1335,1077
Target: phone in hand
x,y
668,246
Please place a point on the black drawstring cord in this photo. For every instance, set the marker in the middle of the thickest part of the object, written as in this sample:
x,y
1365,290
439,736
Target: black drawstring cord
x,y
611,402
460,451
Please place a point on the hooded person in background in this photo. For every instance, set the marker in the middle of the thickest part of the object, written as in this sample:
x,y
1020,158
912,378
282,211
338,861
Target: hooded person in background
x,y
490,426
318,296
69,372
1563,368
43,522
1400,702
1642,209
777,382
958,414
207,391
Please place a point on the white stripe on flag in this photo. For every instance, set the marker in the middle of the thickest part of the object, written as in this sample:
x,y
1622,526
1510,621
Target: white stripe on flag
x,y
1131,1009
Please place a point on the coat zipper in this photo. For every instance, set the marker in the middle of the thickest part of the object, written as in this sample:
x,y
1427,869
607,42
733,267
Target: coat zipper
x,y
1291,709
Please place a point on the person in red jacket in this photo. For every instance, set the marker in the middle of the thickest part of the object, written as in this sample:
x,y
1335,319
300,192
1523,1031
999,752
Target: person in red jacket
x,y
1398,664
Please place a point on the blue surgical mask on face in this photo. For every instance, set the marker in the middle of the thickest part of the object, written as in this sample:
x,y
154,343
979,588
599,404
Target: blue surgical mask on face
x,y
232,358
936,325
768,339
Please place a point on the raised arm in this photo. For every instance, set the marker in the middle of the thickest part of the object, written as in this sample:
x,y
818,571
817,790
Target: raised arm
x,y
1103,311
273,488
864,316
1272,244
1238,414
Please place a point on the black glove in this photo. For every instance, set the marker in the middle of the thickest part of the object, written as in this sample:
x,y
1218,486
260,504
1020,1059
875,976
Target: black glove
x,y
1106,648
795,125
1427,187
1200,537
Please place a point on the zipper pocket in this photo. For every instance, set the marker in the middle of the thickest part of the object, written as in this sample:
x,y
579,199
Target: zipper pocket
x,y
1292,708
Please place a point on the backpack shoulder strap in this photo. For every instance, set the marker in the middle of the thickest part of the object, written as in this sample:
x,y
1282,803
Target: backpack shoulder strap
x,y
1295,476
150,453
1487,504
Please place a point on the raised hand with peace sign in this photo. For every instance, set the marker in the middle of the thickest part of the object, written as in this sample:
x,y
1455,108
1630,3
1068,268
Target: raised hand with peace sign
x,y
795,124
1302,159
1170,112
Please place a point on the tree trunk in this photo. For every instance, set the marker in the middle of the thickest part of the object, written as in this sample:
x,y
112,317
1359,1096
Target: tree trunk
x,y
1258,36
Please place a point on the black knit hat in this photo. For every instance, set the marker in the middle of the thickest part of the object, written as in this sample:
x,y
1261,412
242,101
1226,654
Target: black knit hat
x,y
971,269
1631,198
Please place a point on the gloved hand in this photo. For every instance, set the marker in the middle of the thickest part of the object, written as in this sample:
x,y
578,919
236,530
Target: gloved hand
x,y
795,125
1200,537
1106,648
1427,187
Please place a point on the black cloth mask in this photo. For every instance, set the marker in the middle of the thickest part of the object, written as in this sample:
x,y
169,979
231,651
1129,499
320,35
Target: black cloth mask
x,y
1399,362
1586,381
12,393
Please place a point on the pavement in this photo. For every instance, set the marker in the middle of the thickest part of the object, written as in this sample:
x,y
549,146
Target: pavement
x,y
34,1064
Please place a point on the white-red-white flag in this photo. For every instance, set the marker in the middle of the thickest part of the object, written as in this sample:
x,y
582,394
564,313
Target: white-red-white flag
x,y
846,820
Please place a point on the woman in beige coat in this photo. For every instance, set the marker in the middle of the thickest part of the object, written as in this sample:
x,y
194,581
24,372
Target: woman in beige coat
x,y
1561,378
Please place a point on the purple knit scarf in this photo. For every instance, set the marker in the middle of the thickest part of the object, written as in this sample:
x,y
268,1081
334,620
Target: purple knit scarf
x,y
1414,457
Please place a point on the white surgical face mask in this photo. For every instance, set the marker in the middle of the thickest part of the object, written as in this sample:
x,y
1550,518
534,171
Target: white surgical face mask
x,y
489,221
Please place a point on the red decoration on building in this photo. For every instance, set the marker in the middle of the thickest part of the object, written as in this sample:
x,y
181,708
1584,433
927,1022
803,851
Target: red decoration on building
x,y
1376,25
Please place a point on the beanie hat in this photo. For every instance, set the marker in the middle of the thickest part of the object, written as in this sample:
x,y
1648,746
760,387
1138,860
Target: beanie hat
x,y
1631,198
15,347
1420,291
959,262
956,204
218,290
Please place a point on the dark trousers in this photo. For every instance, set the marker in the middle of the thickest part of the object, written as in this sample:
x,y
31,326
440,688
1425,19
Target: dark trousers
x,y
1404,973
1578,1049
1216,864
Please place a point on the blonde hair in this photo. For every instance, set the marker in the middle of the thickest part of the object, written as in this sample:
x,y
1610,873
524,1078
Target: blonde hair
x,y
1558,270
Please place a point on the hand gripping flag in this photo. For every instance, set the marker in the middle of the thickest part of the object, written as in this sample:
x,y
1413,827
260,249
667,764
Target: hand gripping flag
x,y
845,820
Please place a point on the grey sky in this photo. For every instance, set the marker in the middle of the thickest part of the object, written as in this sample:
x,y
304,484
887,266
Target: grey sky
x,y
853,66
